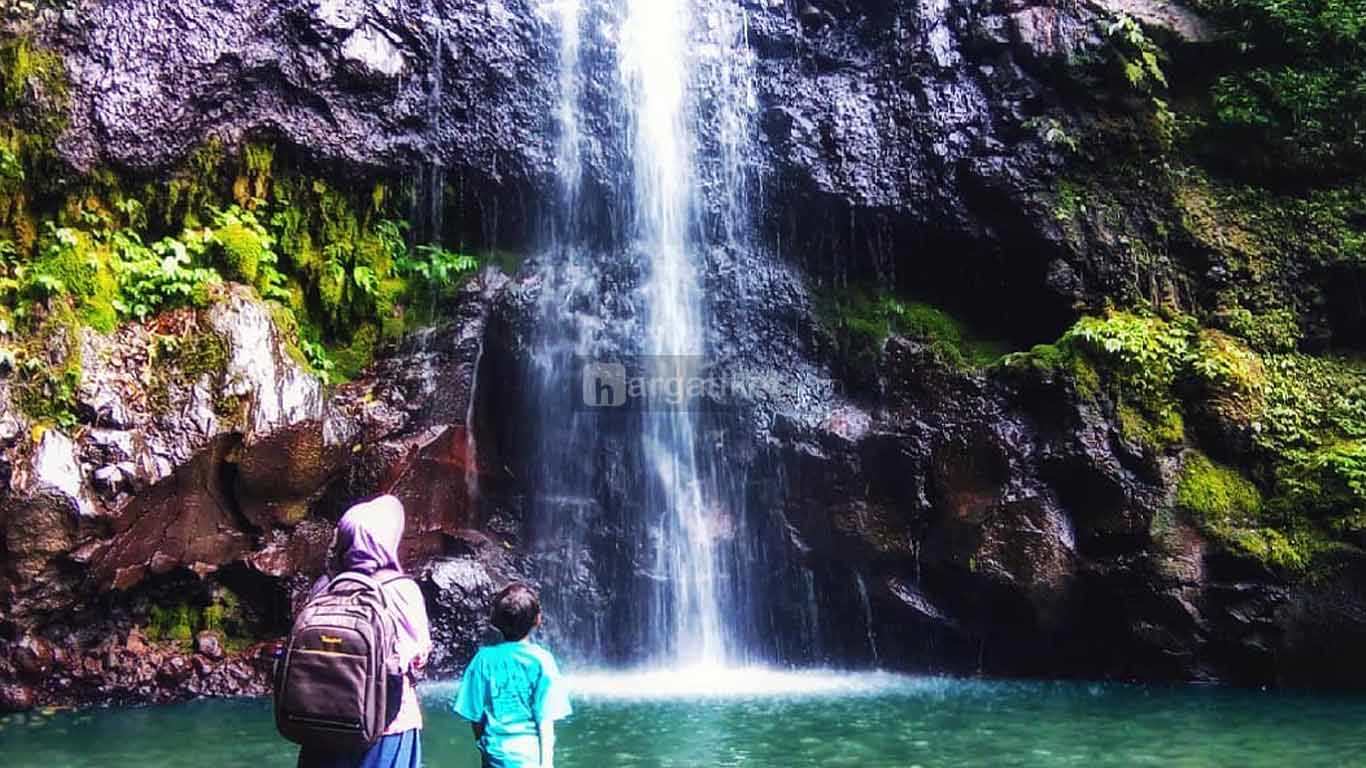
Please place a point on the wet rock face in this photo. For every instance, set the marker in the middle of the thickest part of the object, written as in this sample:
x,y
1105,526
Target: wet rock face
x,y
348,79
1000,523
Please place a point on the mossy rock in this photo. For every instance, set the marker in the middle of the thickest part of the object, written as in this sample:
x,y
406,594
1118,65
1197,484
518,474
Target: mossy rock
x,y
180,623
243,251
1057,361
863,319
1156,433
355,357
33,81
1230,509
179,362
50,367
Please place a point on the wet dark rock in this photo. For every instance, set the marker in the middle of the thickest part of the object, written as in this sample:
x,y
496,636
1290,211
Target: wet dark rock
x,y
209,644
458,592
174,671
16,698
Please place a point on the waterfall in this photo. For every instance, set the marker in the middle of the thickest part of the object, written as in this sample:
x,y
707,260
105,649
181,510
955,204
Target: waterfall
x,y
636,517
432,178
654,74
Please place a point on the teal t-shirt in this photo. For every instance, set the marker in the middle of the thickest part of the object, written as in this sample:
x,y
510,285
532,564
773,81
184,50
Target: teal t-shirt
x,y
510,687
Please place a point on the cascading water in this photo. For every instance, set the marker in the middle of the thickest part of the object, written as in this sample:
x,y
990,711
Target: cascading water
x,y
687,619
638,517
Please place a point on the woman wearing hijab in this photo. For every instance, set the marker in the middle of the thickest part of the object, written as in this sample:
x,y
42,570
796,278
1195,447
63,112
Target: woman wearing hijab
x,y
367,542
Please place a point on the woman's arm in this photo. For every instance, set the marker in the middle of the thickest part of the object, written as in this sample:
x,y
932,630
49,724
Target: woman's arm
x,y
546,731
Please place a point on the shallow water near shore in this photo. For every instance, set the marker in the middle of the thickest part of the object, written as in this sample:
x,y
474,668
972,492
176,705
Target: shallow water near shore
x,y
768,719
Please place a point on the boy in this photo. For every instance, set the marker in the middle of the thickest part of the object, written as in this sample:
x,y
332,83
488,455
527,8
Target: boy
x,y
511,692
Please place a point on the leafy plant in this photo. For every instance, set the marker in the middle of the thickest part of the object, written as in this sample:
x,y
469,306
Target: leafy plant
x,y
160,277
1053,133
436,266
1139,57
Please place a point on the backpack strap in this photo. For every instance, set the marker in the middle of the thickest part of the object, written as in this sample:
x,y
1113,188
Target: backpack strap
x,y
367,582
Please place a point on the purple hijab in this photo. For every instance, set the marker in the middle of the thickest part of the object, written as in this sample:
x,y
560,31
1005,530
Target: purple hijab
x,y
368,537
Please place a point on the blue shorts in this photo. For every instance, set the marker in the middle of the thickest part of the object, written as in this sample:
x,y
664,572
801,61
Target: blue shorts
x,y
401,750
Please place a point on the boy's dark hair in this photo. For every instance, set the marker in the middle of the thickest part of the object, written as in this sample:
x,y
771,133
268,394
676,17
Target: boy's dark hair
x,y
516,609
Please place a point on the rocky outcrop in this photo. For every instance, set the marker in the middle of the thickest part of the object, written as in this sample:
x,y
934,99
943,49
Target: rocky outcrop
x,y
201,484
1003,523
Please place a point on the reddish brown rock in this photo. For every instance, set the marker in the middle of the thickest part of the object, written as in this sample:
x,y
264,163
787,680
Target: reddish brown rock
x,y
208,644
174,671
16,698
34,658
136,642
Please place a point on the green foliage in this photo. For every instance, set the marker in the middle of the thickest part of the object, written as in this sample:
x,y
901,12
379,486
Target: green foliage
x,y
1273,331
1305,418
1144,353
1230,509
1068,201
864,320
1304,87
334,263
1225,365
1139,58
436,268
161,277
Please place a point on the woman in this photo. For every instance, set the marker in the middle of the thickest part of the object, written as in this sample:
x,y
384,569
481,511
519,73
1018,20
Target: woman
x,y
367,542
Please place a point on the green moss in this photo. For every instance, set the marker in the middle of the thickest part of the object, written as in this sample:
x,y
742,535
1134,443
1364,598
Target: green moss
x,y
1157,433
179,362
1058,360
50,366
1230,509
352,359
1215,494
33,82
288,330
243,250
175,624
180,623
863,320
253,184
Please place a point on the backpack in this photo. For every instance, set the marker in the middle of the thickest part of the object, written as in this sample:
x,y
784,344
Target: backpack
x,y
339,684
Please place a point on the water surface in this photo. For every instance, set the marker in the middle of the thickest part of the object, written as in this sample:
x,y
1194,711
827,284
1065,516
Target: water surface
x,y
761,719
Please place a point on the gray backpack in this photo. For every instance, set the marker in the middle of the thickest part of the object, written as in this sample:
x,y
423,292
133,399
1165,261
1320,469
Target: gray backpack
x,y
339,683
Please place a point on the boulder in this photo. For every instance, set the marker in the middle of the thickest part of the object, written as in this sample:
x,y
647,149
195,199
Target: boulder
x,y
209,645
